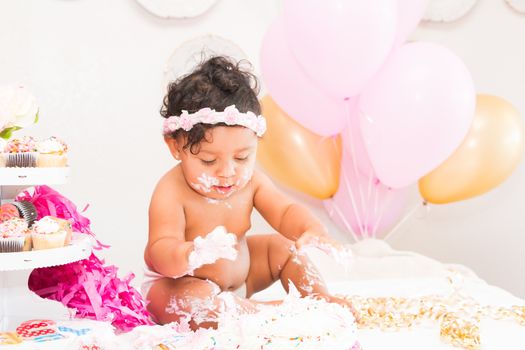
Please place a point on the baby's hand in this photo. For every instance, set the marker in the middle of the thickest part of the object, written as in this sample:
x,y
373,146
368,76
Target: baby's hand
x,y
340,253
216,245
311,238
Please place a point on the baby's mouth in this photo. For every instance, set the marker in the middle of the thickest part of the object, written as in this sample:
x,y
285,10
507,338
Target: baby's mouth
x,y
223,189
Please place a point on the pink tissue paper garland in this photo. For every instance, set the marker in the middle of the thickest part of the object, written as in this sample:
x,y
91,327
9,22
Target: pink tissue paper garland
x,y
47,201
93,290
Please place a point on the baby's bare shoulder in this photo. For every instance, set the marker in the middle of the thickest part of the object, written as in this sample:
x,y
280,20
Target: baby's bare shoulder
x,y
170,186
258,177
260,180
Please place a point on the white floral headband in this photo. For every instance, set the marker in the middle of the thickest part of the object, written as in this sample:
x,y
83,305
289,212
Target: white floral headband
x,y
230,116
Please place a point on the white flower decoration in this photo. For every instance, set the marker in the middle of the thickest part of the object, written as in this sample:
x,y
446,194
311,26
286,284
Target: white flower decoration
x,y
18,108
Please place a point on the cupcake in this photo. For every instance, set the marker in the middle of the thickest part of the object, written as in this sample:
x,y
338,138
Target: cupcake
x,y
20,153
27,211
52,152
3,143
8,211
14,236
50,232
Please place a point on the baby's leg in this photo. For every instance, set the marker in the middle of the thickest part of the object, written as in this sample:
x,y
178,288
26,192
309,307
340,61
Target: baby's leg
x,y
273,257
200,301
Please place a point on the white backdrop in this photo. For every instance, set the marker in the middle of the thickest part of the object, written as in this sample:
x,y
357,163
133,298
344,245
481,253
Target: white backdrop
x,y
96,67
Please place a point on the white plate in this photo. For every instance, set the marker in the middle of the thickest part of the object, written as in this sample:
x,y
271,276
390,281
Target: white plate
x,y
447,10
518,5
192,52
33,176
177,8
79,249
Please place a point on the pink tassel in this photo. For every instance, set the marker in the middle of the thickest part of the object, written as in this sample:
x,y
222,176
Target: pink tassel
x,y
79,286
93,290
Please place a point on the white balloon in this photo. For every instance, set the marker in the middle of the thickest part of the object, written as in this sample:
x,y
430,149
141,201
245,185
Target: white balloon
x,y
177,8
194,51
447,10
518,5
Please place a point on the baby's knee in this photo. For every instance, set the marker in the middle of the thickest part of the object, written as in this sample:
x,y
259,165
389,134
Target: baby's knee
x,y
192,301
194,296
281,251
282,246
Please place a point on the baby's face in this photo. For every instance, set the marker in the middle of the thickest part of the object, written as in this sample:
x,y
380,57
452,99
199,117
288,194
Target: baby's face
x,y
222,166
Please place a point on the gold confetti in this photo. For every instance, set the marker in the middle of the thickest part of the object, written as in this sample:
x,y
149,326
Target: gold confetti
x,y
457,315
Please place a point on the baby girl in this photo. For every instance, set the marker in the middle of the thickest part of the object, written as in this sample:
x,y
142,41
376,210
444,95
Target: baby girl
x,y
198,256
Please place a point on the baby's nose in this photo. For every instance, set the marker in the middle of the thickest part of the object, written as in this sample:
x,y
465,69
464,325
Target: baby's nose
x,y
227,169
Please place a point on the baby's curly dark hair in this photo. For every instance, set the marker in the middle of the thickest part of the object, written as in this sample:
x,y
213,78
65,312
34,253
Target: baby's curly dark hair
x,y
217,83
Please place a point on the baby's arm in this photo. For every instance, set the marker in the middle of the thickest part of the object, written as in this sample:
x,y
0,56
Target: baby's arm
x,y
167,248
282,213
218,244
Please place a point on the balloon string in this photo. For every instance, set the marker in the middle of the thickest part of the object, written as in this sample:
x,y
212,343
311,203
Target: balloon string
x,y
362,228
334,206
352,199
364,205
381,211
347,183
342,217
405,218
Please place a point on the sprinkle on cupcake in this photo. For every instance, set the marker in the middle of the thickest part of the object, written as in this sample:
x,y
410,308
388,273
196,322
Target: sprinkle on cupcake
x,y
25,144
14,227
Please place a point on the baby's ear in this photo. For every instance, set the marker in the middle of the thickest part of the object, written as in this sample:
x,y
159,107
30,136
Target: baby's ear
x,y
174,146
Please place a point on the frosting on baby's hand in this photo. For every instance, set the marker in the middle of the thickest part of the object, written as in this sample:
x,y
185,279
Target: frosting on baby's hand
x,y
340,253
216,245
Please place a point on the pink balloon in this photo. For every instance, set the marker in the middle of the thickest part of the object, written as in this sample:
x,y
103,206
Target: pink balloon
x,y
416,112
340,44
363,205
292,89
410,14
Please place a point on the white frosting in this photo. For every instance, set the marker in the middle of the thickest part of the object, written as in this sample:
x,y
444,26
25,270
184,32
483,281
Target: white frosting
x,y
298,323
245,177
311,277
218,201
199,309
50,145
341,254
218,244
146,337
46,225
206,182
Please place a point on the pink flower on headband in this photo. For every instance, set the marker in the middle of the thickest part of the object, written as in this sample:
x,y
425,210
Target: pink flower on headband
x,y
172,124
260,129
230,116
207,115
185,121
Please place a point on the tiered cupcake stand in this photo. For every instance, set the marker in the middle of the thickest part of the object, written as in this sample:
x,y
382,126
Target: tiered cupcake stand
x,y
17,302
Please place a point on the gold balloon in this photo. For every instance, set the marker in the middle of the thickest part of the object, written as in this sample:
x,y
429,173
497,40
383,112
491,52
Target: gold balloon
x,y
490,152
297,157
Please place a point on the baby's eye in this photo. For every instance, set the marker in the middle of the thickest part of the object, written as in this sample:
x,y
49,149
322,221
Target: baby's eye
x,y
241,159
208,162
